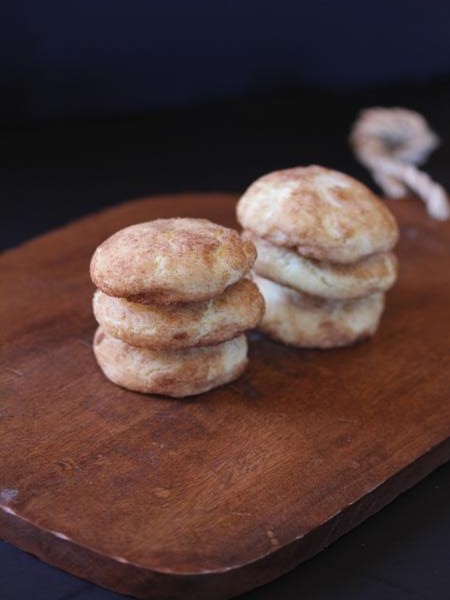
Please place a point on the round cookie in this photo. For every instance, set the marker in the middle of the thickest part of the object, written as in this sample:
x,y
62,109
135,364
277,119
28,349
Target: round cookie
x,y
306,321
376,273
176,373
324,214
175,326
171,260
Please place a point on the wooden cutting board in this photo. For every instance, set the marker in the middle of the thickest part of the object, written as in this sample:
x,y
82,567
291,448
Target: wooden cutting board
x,y
212,496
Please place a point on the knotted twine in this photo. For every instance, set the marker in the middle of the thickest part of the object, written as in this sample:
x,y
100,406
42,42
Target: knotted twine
x,y
390,142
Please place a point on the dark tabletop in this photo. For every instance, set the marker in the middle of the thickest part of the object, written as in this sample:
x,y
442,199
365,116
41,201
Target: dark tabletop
x,y
56,171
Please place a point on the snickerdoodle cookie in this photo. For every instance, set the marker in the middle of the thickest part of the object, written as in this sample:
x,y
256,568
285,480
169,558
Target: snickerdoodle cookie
x,y
171,260
176,373
298,319
321,213
181,325
375,273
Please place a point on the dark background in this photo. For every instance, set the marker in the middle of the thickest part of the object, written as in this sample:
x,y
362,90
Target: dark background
x,y
104,101
109,56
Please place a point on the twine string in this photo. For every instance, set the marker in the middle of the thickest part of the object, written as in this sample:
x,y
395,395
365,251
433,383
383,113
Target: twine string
x,y
391,143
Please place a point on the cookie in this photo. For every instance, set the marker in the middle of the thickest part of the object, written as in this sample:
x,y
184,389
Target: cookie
x,y
171,260
376,273
321,213
305,321
175,326
176,373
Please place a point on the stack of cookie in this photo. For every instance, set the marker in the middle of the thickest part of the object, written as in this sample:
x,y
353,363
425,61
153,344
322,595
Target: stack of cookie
x,y
173,303
324,245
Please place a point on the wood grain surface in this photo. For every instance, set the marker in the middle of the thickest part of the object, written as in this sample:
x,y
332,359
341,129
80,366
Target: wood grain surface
x,y
215,495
